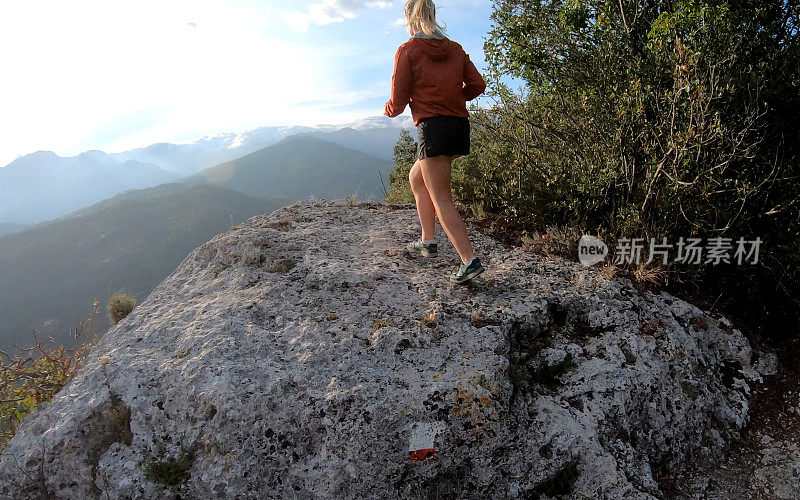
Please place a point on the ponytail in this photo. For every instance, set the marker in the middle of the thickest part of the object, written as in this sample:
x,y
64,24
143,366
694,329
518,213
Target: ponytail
x,y
421,16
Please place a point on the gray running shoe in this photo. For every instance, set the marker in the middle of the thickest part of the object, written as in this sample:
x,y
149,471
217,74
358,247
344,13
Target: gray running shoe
x,y
422,248
465,273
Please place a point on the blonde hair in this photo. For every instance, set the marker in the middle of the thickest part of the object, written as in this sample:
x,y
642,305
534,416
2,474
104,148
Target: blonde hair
x,y
421,16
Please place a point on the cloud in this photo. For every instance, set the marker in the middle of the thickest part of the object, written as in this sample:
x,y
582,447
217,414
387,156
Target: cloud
x,y
297,20
95,74
81,73
330,11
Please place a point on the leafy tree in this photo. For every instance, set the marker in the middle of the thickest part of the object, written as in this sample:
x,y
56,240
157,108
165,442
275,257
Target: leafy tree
x,y
646,118
405,155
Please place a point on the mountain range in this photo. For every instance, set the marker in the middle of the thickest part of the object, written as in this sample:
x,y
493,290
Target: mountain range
x,y
373,135
42,186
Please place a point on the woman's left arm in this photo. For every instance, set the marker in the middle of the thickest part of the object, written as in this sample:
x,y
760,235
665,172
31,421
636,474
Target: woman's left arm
x,y
401,84
474,85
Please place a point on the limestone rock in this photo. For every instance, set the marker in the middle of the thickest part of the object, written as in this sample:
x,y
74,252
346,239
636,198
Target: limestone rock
x,y
305,355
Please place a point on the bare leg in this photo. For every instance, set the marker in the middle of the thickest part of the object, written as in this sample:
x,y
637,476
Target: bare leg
x,y
425,208
436,173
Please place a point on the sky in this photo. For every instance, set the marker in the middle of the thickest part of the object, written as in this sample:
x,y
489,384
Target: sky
x,y
118,74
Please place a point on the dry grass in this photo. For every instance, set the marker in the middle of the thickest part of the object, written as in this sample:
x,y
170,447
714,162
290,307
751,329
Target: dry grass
x,y
561,241
119,306
609,270
429,320
653,275
280,266
577,279
380,323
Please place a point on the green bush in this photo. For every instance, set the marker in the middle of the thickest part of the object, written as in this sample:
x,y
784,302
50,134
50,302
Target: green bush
x,y
405,155
35,376
663,118
648,119
119,306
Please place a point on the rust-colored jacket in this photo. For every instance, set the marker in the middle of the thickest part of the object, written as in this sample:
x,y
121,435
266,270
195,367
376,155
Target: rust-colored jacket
x,y
435,76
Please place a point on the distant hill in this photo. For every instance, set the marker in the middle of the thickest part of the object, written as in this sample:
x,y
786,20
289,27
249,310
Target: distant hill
x,y
299,167
375,141
43,185
49,273
129,194
10,227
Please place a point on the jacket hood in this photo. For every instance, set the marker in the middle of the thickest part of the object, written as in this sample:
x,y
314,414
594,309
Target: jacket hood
x,y
435,46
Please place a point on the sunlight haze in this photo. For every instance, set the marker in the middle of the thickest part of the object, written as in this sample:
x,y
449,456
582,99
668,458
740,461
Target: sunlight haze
x,y
105,75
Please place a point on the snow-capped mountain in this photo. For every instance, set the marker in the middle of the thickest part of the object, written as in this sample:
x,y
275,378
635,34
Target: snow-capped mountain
x,y
374,135
42,185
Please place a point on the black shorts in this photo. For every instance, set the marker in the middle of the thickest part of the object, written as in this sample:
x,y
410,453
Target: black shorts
x,y
443,135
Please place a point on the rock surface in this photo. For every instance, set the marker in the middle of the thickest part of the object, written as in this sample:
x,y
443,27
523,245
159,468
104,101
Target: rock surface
x,y
305,355
765,462
766,363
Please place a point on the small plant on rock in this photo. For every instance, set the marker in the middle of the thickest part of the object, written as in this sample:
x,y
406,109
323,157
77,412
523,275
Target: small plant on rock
x,y
119,306
169,471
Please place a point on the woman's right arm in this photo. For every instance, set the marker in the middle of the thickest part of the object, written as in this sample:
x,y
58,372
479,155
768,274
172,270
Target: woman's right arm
x,y
473,81
401,84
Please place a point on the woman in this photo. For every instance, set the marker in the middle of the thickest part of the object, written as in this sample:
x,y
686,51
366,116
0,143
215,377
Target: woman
x,y
436,77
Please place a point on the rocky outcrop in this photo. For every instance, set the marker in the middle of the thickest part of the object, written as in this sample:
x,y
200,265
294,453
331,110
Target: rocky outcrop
x,y
305,355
